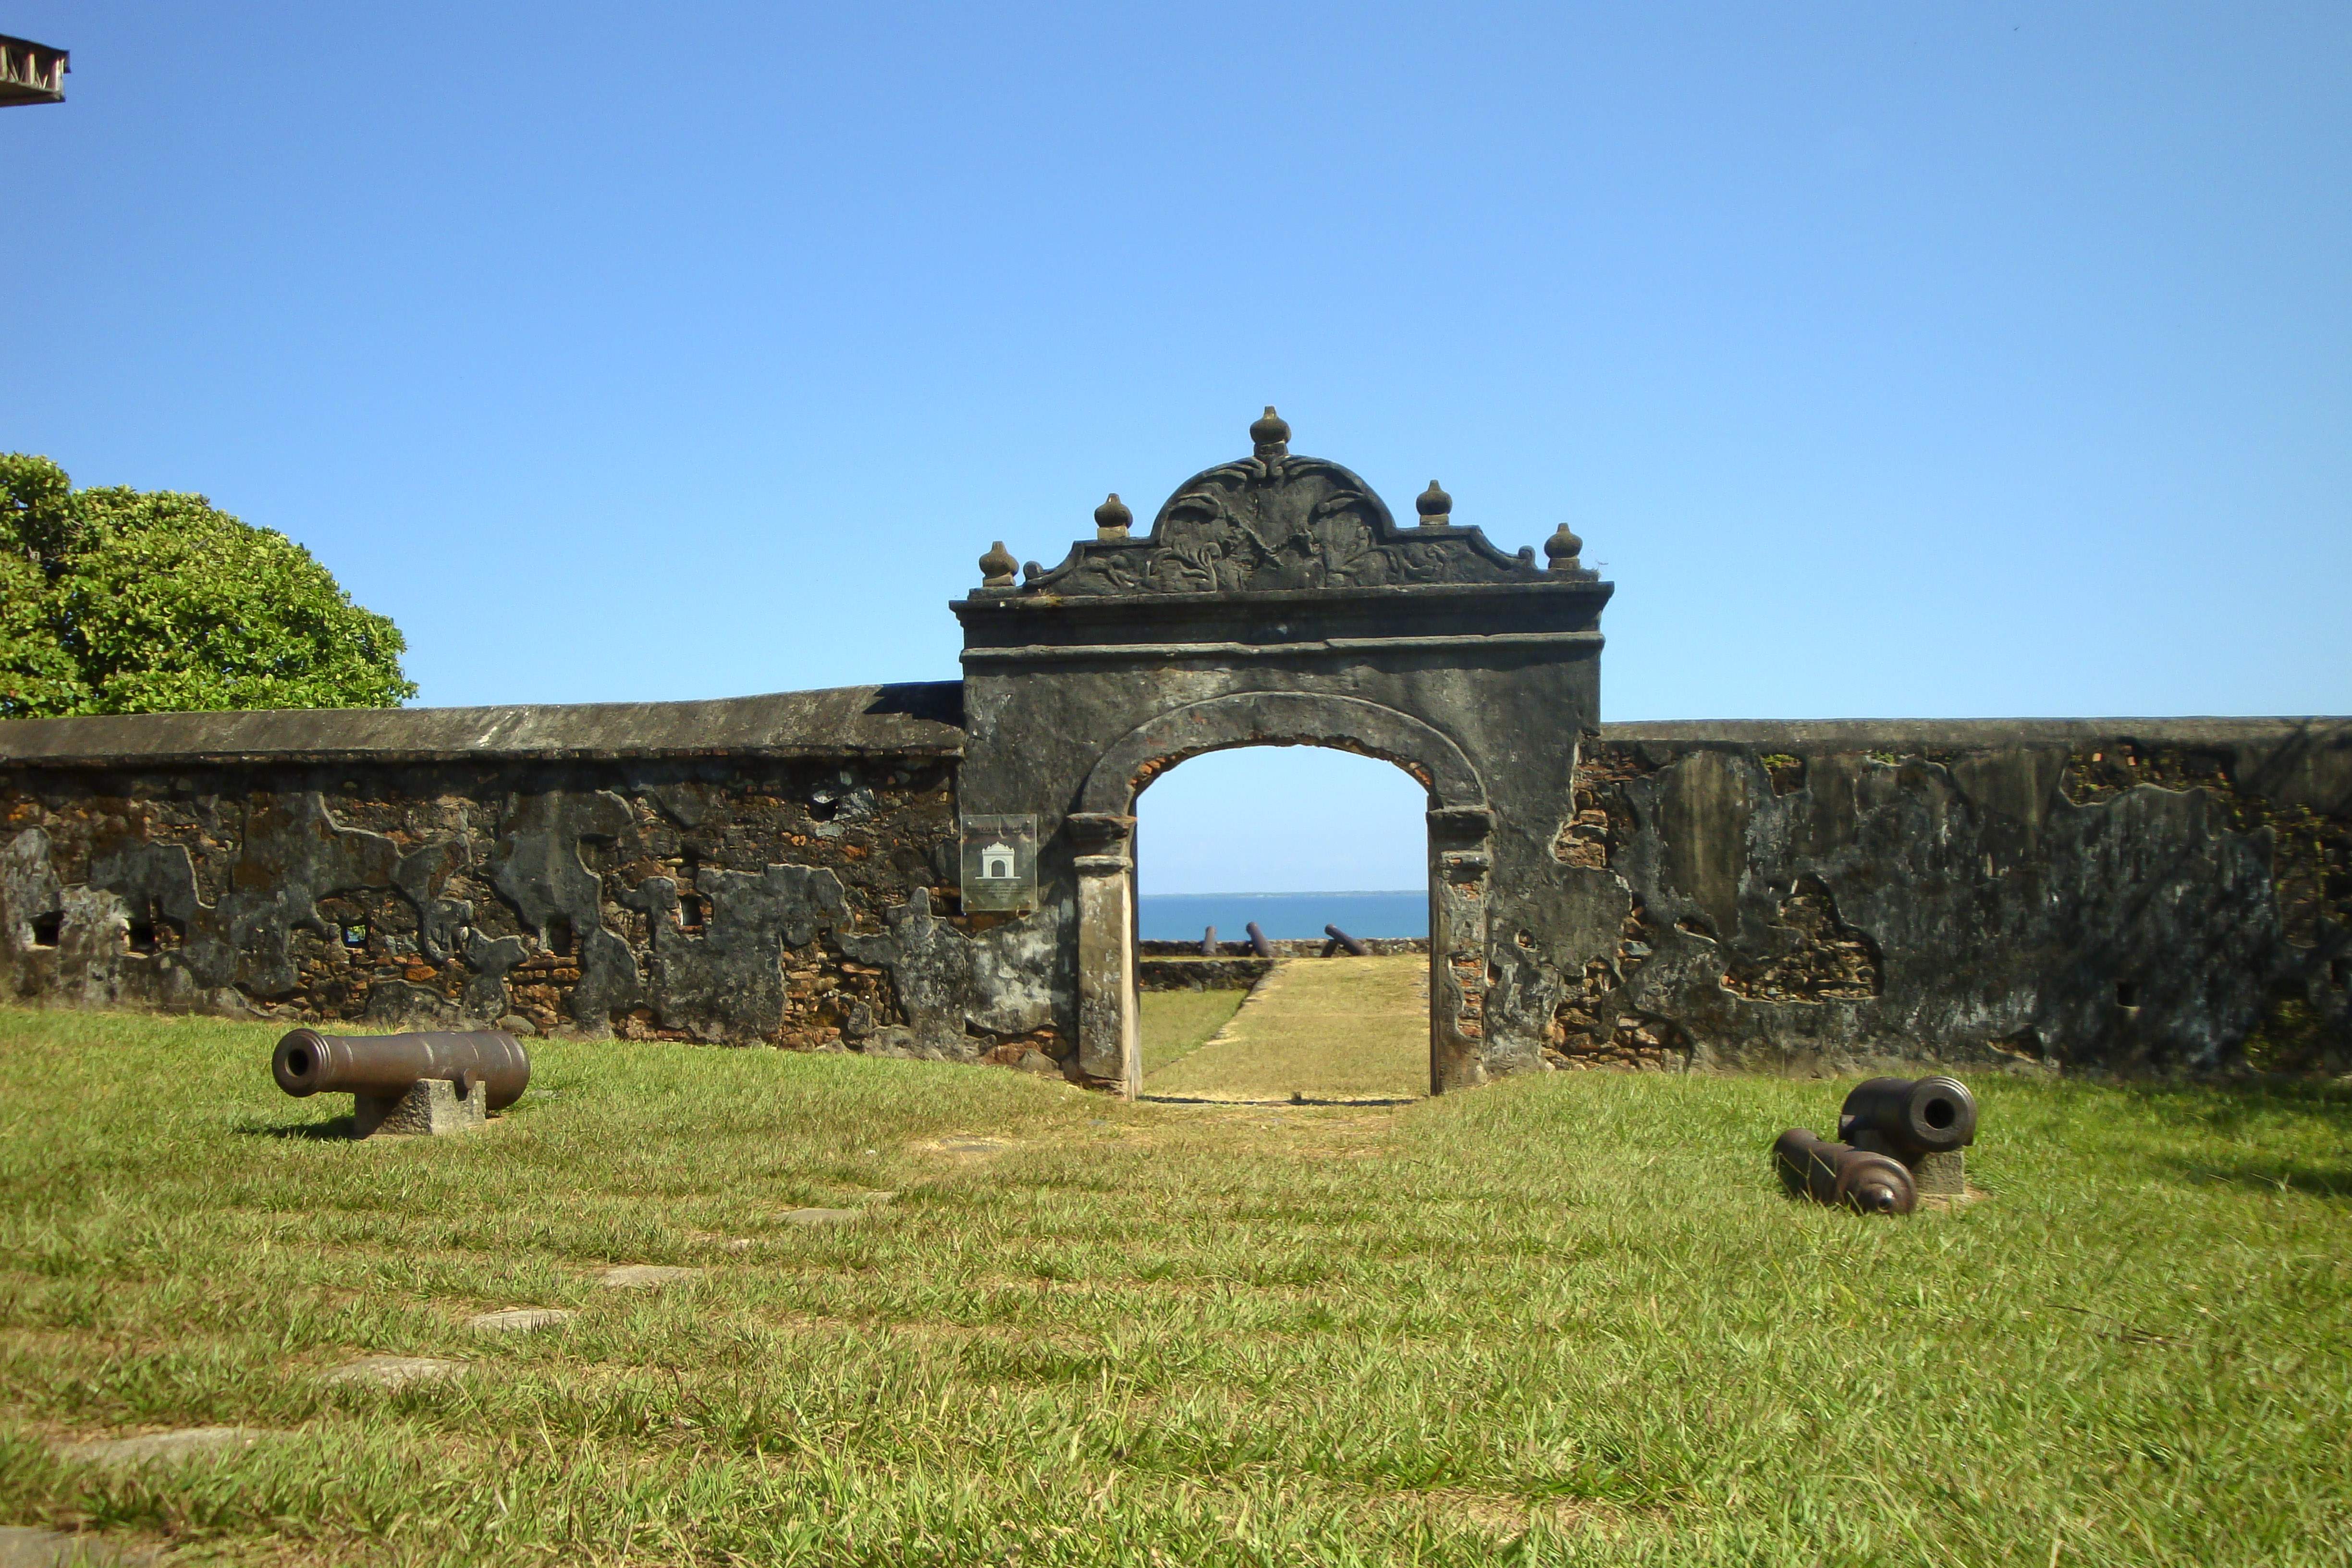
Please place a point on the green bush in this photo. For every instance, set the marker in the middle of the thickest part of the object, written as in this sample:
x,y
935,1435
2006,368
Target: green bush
x,y
123,601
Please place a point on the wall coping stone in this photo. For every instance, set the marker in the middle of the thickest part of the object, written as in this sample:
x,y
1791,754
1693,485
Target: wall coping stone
x,y
1896,734
915,718
920,719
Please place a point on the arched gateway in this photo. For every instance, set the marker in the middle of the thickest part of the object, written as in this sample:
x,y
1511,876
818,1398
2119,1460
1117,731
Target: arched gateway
x,y
1276,602
2121,894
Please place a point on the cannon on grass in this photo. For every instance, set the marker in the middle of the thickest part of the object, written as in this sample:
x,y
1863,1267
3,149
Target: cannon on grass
x,y
1341,939
1258,944
1841,1176
1924,1122
436,1081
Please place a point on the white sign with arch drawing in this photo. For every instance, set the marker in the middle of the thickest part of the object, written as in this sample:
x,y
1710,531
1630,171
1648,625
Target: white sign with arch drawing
x,y
1000,865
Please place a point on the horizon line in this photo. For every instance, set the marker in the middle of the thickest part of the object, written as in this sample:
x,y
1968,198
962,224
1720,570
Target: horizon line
x,y
1317,893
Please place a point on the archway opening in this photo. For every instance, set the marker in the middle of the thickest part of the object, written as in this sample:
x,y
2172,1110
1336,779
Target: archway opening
x,y
1296,841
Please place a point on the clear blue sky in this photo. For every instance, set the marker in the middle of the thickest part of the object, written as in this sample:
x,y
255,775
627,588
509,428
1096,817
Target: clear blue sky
x,y
1896,359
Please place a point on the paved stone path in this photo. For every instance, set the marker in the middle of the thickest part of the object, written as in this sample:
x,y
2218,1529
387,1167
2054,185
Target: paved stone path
x,y
519,1320
395,1370
163,1447
643,1275
962,1144
21,1546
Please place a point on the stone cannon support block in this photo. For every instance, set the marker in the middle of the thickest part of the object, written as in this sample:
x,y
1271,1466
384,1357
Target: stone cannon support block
x,y
432,1106
1943,1175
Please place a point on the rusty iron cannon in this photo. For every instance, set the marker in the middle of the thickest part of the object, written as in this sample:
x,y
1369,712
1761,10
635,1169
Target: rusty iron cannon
x,y
1341,939
1924,1122
435,1081
1841,1176
1208,942
1908,1117
1258,944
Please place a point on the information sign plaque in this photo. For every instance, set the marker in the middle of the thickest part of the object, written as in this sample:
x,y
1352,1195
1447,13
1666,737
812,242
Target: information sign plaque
x,y
1000,865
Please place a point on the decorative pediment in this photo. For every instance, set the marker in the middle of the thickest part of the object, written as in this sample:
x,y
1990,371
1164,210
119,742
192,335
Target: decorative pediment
x,y
1271,521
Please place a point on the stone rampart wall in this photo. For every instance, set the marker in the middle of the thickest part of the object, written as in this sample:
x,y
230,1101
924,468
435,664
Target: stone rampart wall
x,y
2126,895
776,869
1283,947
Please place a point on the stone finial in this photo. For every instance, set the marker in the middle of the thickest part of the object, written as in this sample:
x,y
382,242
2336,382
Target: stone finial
x,y
1436,508
1112,518
1270,436
1562,549
996,567
1031,571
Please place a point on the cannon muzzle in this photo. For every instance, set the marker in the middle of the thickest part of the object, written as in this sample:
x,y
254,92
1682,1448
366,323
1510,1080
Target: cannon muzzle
x,y
1909,1117
1838,1175
1208,942
1258,944
308,1062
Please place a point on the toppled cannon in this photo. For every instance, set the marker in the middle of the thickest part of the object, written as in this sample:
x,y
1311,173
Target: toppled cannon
x,y
1258,944
1341,939
436,1081
1924,1122
1208,942
1841,1175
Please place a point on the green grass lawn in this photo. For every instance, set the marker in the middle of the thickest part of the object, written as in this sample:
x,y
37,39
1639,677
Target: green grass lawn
x,y
1178,1023
1569,1318
1337,1028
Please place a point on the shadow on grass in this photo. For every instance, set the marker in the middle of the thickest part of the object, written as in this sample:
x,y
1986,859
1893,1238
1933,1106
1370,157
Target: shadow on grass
x,y
2272,1175
335,1129
2229,1108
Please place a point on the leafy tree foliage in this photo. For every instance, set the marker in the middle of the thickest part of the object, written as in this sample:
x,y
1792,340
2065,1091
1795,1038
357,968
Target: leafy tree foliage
x,y
123,601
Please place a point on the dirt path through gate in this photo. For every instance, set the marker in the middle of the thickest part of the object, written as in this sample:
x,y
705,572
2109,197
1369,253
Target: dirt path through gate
x,y
1322,1028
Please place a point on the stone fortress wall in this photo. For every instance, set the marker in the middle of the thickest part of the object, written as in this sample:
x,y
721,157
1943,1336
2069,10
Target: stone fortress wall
x,y
2130,895
764,869
2145,895
2122,895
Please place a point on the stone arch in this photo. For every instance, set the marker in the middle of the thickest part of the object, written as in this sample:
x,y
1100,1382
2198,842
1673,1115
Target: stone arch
x,y
1281,719
1278,601
1459,820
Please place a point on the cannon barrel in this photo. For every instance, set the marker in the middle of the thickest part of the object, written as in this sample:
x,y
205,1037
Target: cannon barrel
x,y
1344,939
1836,1174
1258,944
1909,1117
308,1062
1208,942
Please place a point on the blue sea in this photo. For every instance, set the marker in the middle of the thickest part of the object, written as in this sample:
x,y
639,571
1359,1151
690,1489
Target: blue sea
x,y
1178,917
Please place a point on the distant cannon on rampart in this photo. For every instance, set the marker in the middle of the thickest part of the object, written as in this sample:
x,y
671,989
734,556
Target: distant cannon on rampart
x,y
1341,939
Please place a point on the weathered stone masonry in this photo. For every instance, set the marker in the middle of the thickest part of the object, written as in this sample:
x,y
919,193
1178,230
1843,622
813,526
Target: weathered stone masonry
x,y
2118,894
546,865
1783,897
2132,895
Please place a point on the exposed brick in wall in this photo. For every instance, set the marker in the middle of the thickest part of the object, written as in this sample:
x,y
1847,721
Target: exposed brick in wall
x,y
1820,957
1602,817
1591,1026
